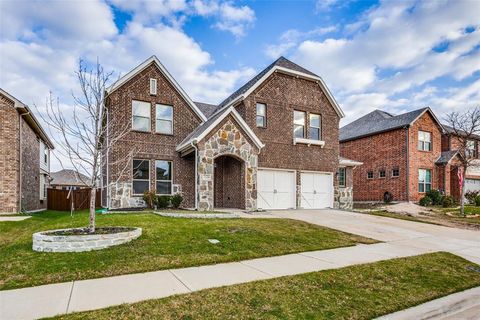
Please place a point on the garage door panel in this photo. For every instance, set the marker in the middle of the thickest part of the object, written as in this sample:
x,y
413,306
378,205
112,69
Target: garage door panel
x,y
276,189
316,190
267,178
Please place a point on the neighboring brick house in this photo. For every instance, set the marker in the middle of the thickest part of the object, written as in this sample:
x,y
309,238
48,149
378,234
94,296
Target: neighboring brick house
x,y
272,144
406,155
24,158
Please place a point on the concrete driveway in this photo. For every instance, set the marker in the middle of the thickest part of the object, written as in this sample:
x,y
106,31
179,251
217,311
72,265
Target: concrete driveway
x,y
465,243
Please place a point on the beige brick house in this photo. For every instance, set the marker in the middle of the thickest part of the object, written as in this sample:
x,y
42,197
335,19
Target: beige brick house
x,y
272,144
24,158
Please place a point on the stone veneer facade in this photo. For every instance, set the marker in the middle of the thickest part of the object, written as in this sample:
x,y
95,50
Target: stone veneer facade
x,y
228,140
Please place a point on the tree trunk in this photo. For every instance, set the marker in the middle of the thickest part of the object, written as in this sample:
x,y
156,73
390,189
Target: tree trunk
x,y
91,226
462,193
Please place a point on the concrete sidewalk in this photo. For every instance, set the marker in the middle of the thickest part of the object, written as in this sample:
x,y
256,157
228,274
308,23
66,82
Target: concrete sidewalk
x,y
55,299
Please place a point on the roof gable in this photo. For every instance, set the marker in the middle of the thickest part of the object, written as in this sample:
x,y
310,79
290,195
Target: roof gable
x,y
379,121
153,59
280,65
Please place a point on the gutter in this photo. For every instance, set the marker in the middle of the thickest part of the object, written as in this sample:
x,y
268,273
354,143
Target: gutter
x,y
194,146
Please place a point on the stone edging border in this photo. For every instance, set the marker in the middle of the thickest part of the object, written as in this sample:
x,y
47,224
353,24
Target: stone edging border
x,y
78,243
198,215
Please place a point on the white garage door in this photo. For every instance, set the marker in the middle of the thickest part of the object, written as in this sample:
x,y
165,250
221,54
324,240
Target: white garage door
x,y
317,190
275,189
472,185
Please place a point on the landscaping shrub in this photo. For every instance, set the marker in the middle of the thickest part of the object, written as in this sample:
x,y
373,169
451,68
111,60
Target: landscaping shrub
x,y
387,197
477,201
471,196
448,201
436,197
177,201
163,202
425,201
150,198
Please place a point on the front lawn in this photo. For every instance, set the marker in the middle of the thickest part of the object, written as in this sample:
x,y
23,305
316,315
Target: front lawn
x,y
356,292
165,243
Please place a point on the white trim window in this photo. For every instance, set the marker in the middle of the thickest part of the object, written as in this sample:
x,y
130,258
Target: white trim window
x,y
261,115
395,172
382,173
141,116
342,177
424,180
140,176
315,126
471,150
153,86
298,124
424,141
163,177
164,119
370,175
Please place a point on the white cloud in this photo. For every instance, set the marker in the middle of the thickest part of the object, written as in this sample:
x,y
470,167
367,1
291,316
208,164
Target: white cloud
x,y
235,19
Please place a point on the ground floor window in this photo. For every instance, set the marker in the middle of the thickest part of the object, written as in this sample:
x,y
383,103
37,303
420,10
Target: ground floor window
x,y
342,177
43,187
141,176
163,175
424,180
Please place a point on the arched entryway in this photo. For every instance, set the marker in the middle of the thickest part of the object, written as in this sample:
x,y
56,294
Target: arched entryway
x,y
229,182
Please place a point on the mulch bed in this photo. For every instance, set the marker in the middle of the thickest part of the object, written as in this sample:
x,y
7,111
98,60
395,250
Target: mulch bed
x,y
86,231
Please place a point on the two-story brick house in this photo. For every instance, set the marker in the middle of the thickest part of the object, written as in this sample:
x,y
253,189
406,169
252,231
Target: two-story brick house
x,y
406,155
24,158
272,144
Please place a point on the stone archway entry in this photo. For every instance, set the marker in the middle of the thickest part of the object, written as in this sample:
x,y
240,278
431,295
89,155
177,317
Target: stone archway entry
x,y
229,182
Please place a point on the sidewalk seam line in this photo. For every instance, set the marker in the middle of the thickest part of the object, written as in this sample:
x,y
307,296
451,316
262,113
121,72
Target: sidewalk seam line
x,y
176,277
70,297
256,269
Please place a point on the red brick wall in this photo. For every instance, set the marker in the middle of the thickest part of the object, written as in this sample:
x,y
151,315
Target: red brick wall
x,y
283,94
382,151
9,157
423,159
151,145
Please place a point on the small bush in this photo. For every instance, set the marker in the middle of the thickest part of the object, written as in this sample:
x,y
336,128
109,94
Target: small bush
x,y
177,201
448,202
163,202
425,201
387,197
471,196
150,198
477,201
436,197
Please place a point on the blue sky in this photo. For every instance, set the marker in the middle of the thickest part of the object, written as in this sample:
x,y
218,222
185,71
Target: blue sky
x,y
392,55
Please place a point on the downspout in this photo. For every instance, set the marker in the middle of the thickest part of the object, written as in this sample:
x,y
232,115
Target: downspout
x,y
193,144
107,164
408,163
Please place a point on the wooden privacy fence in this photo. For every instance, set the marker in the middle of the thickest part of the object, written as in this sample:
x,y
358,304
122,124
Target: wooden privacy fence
x,y
58,199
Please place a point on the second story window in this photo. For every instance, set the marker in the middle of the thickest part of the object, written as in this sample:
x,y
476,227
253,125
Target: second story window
x,y
298,124
315,127
395,173
382,173
140,115
261,115
370,175
424,141
164,119
45,155
153,86
471,150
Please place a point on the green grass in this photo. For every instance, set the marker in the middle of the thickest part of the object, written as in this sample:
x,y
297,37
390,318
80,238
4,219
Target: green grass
x,y
357,292
165,243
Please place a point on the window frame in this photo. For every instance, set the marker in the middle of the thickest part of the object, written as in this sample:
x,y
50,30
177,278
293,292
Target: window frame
x,y
425,182
171,178
257,115
163,119
303,126
45,154
380,174
153,85
133,174
471,153
422,142
319,128
344,170
395,176
149,118
368,175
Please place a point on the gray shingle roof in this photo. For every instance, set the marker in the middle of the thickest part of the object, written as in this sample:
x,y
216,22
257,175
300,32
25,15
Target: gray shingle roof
x,y
376,122
446,156
281,62
206,108
68,177
450,130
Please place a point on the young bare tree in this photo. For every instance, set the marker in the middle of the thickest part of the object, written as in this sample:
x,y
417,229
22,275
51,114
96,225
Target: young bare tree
x,y
85,134
465,126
